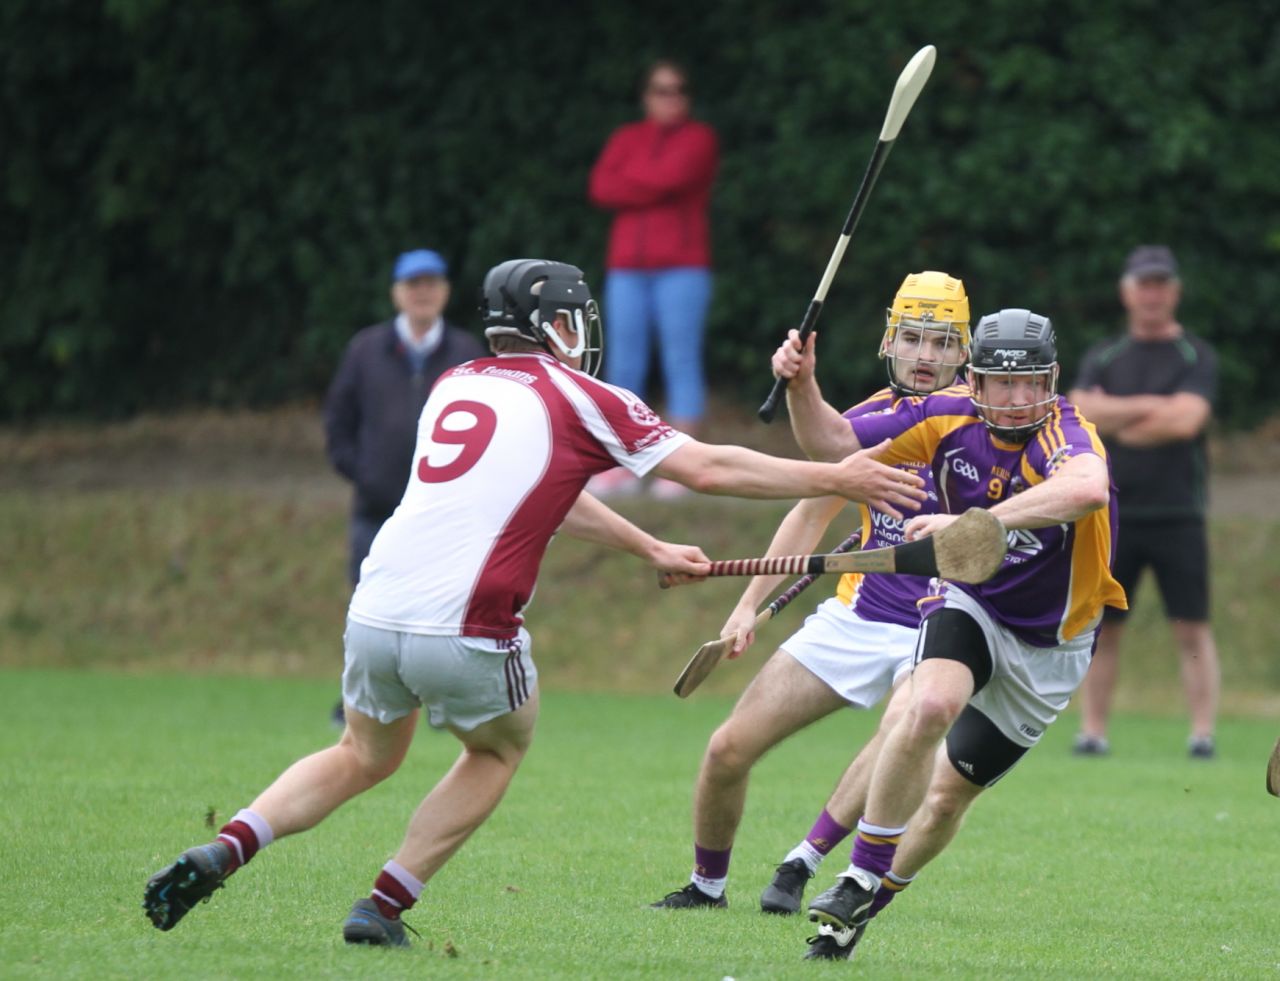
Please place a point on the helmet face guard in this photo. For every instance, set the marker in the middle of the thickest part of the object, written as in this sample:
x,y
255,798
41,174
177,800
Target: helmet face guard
x,y
573,302
524,298
923,356
1013,373
1003,396
926,336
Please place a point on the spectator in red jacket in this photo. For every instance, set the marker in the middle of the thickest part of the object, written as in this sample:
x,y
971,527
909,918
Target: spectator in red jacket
x,y
655,175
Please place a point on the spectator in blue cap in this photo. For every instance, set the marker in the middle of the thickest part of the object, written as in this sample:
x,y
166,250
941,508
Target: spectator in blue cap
x,y
371,411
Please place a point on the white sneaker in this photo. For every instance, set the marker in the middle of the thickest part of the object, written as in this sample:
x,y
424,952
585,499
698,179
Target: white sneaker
x,y
618,482
667,490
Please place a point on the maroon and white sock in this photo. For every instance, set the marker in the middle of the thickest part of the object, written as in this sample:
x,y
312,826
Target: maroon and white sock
x,y
245,834
395,890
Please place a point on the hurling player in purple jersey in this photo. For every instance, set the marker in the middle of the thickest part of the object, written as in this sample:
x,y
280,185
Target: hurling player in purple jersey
x,y
996,662
853,650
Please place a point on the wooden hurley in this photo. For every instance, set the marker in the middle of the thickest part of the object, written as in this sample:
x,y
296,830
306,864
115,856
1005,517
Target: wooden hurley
x,y
969,549
709,654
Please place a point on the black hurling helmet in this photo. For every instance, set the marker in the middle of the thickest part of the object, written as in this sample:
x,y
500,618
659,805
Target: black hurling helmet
x,y
521,297
1008,345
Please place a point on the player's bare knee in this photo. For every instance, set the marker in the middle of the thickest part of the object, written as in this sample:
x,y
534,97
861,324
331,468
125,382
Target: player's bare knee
x,y
728,754
507,756
931,715
375,767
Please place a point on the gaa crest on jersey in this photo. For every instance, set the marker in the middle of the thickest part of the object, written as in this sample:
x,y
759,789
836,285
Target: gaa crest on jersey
x,y
641,414
965,469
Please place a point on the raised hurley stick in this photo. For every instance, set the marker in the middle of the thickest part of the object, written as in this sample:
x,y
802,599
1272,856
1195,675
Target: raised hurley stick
x,y
905,92
970,549
708,655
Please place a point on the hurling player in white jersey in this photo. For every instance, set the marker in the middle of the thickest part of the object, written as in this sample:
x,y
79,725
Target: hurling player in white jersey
x,y
505,446
852,651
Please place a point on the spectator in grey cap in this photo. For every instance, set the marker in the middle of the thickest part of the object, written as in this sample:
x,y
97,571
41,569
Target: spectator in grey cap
x,y
372,409
1150,393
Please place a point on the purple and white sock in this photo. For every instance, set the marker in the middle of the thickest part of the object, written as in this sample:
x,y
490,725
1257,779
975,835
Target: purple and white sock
x,y
890,886
710,870
825,834
874,847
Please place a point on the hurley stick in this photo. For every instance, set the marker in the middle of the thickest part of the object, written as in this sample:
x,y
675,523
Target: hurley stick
x,y
905,92
708,655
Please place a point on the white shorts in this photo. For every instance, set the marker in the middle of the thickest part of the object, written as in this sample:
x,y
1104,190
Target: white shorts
x,y
461,681
1029,685
860,660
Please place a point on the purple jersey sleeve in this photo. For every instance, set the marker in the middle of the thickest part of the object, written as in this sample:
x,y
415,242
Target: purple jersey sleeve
x,y
1065,436
907,424
887,598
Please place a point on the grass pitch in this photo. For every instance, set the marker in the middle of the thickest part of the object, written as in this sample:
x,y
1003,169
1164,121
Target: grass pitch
x,y
1144,864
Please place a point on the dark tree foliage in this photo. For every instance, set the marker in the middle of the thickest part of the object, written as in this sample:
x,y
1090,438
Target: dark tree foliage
x,y
199,202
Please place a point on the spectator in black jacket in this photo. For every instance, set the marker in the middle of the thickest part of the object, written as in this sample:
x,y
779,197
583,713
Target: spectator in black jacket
x,y
371,412
1150,393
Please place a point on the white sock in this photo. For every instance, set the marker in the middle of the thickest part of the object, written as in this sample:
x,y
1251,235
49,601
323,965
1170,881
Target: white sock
x,y
807,854
712,887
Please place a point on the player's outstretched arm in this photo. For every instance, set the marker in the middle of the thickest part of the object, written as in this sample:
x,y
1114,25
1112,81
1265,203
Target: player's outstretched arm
x,y
1079,487
737,471
591,521
798,534
822,432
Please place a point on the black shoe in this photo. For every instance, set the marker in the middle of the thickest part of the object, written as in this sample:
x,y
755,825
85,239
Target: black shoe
x,y
365,924
1201,748
784,893
172,892
833,945
1086,745
690,897
845,904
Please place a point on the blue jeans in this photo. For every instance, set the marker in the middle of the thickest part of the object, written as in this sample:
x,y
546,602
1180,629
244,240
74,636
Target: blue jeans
x,y
673,303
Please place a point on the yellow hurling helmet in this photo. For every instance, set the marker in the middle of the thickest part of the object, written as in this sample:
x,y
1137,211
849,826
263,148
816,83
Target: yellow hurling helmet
x,y
926,301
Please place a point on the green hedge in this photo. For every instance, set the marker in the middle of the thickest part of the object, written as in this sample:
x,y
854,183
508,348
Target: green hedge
x,y
199,202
